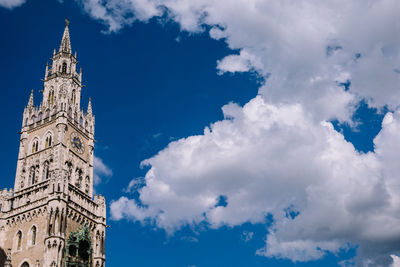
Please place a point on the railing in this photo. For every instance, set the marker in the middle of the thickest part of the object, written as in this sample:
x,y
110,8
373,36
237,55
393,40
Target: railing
x,y
82,202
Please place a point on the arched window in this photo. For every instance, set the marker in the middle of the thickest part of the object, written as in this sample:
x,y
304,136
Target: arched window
x,y
50,99
48,141
70,112
35,146
25,264
73,96
78,175
32,175
19,240
33,231
40,116
64,67
102,244
69,167
46,170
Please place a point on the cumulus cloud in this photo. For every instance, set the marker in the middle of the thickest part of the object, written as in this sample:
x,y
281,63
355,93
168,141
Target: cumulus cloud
x,y
267,159
100,170
279,151
10,4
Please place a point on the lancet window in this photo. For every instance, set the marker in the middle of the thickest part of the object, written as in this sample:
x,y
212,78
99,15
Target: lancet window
x,y
46,170
48,141
19,240
51,97
32,175
35,146
64,67
33,232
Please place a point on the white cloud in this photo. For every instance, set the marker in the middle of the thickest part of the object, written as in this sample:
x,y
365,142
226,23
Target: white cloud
x,y
190,239
135,184
247,236
116,13
10,4
100,170
396,261
239,63
266,158
279,151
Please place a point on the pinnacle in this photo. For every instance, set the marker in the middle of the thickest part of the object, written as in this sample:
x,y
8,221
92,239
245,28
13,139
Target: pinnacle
x,y
89,108
30,102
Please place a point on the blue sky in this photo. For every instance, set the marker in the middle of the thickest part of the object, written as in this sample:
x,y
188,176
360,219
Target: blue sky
x,y
163,87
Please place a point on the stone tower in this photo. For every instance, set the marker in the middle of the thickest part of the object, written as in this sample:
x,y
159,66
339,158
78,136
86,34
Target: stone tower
x,y
51,217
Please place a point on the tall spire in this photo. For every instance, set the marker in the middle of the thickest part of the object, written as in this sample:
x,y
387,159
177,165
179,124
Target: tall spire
x,y
30,102
65,45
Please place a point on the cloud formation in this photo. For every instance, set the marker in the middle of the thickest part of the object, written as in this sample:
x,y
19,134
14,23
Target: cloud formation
x,y
100,170
278,154
10,4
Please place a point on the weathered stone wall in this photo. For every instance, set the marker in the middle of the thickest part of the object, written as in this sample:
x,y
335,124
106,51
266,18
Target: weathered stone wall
x,y
28,252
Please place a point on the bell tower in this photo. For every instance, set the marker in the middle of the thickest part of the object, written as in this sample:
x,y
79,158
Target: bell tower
x,y
52,201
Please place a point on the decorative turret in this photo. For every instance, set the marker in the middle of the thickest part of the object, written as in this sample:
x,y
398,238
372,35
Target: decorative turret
x,y
65,45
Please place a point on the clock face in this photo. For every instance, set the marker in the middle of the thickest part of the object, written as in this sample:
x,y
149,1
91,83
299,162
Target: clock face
x,y
77,143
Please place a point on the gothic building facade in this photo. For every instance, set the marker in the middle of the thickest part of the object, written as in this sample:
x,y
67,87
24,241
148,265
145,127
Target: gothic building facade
x,y
51,217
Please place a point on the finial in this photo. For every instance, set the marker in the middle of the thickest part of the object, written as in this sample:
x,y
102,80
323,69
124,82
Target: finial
x,y
66,22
